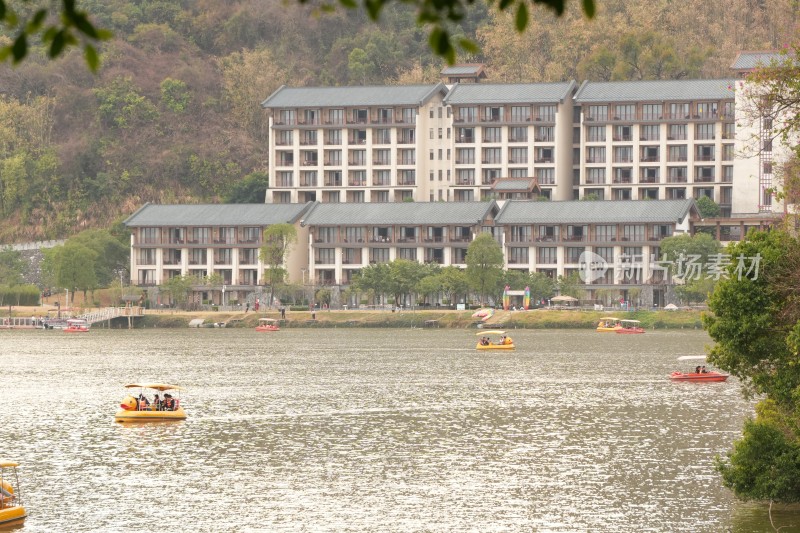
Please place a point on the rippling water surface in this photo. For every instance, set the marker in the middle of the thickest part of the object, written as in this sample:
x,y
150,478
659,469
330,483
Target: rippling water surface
x,y
371,430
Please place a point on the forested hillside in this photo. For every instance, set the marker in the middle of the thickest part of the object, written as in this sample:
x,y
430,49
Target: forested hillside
x,y
173,114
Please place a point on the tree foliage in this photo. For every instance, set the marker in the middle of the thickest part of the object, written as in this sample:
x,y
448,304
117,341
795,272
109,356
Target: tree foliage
x,y
484,265
754,322
12,266
278,241
708,208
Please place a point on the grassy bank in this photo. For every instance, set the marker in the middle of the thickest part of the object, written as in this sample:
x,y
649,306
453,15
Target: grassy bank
x,y
408,319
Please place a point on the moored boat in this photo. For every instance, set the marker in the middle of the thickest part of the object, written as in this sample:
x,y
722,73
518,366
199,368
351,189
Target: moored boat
x,y
484,313
76,325
700,373
503,342
630,326
12,511
609,324
142,409
267,324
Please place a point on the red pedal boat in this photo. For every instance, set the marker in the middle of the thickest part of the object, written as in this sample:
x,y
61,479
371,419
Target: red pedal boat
x,y
267,324
700,374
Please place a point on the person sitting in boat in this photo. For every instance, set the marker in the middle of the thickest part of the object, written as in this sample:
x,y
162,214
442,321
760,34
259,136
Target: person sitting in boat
x,y
144,403
697,369
158,403
507,340
168,403
703,370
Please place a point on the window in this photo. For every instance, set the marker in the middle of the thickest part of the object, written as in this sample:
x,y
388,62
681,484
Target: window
x,y
382,157
676,132
546,176
409,254
517,135
704,131
598,112
546,113
309,138
465,156
465,135
621,194
333,137
677,174
649,132
490,175
147,256
248,256
520,113
466,114
678,110
606,252
596,154
573,254
284,138
223,256
492,135
199,256
406,177
625,112
547,256
596,134
729,130
623,154
383,136
492,156
520,234
493,114
633,232
518,155
409,115
605,233
358,157
727,174
518,255
325,256
704,174
651,112
405,156
202,235
465,176
649,154
335,116
359,116
544,155
649,174
381,177
704,152
595,176
545,134
677,153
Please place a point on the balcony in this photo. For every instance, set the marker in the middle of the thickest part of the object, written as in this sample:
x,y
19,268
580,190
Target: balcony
x,y
704,179
649,179
354,182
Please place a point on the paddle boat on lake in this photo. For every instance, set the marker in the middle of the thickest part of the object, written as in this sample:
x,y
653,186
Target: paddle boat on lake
x,y
76,325
163,406
11,510
630,326
700,373
502,342
609,324
267,324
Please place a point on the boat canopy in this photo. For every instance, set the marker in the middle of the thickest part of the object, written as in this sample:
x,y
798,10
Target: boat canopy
x,y
624,320
692,358
610,318
268,320
490,332
157,386
8,464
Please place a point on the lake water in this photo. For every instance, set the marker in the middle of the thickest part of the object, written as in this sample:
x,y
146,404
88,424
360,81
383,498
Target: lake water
x,y
372,430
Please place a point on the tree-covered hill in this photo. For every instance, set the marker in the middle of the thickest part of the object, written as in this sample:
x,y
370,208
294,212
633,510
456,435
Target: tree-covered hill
x,y
173,113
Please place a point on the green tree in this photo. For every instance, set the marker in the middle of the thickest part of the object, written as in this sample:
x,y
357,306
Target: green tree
x,y
252,189
179,288
755,323
12,266
121,106
73,267
404,275
699,248
373,279
708,208
571,285
112,254
175,95
278,242
484,265
541,285
454,283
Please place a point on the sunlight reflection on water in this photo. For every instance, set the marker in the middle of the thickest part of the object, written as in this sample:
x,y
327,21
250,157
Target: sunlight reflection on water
x,y
369,430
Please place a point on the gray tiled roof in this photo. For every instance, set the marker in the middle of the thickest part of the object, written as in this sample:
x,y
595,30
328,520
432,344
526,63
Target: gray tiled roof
x,y
399,213
514,184
216,215
654,91
410,95
462,69
751,60
598,212
499,93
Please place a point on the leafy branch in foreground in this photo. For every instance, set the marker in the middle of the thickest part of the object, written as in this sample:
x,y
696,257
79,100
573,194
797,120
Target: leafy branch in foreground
x,y
438,14
73,28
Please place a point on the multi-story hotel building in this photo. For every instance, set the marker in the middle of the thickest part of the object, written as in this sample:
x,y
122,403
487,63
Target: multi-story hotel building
x,y
337,240
657,140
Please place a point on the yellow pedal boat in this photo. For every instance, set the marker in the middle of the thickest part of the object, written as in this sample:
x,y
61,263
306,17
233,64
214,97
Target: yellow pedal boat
x,y
162,407
486,342
11,510
609,324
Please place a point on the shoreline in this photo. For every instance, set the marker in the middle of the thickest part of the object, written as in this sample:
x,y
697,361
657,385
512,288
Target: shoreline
x,y
532,319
